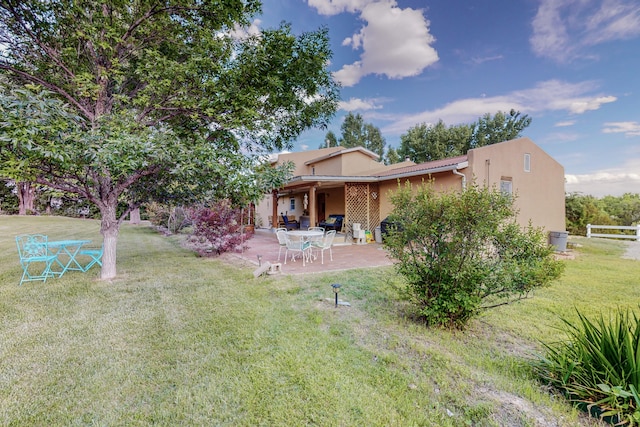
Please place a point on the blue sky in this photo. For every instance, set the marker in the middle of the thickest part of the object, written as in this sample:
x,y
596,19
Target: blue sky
x,y
573,66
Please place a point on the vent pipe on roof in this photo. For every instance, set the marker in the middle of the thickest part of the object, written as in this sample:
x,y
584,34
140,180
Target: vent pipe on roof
x,y
464,178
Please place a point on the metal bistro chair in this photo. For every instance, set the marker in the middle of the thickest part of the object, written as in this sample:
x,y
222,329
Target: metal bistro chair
x,y
32,249
281,234
325,244
94,254
300,246
315,239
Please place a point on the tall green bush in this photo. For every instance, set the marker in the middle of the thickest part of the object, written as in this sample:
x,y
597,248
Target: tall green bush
x,y
598,366
462,252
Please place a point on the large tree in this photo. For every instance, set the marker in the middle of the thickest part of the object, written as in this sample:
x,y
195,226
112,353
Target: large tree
x,y
424,143
167,94
357,133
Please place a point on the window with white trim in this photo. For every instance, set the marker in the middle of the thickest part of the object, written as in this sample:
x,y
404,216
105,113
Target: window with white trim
x,y
527,162
292,204
506,186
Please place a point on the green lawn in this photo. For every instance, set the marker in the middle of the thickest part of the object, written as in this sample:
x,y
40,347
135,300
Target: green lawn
x,y
182,340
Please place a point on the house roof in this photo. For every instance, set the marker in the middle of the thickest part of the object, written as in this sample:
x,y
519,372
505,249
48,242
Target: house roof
x,y
459,162
444,165
363,150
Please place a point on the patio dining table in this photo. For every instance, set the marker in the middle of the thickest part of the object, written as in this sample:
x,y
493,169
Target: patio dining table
x,y
305,234
65,252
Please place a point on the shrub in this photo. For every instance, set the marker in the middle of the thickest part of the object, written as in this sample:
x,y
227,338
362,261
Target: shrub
x,y
220,226
461,252
598,366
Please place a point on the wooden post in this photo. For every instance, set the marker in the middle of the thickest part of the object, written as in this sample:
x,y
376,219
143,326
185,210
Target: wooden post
x,y
313,217
274,210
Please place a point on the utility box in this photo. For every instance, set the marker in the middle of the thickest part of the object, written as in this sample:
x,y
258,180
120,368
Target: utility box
x,y
558,239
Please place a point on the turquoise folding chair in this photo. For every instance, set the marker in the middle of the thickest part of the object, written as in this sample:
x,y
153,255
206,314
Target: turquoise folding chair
x,y
34,257
94,254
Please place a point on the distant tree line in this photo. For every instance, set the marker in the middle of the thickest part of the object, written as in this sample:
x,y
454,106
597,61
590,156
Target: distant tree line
x,y
584,209
428,142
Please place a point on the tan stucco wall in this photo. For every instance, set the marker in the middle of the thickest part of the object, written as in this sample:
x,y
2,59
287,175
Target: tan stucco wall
x,y
301,157
334,201
540,194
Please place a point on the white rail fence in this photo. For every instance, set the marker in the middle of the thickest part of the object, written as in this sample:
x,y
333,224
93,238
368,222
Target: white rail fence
x,y
614,227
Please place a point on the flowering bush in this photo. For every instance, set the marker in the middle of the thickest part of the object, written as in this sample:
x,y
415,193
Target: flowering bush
x,y
218,226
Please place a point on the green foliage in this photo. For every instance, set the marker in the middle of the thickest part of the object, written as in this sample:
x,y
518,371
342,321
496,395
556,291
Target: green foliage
x,y
610,210
172,99
462,252
501,127
598,365
357,133
8,199
624,210
392,157
330,140
425,143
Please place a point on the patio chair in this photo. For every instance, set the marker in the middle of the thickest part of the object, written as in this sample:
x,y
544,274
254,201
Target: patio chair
x,y
301,247
315,239
281,234
325,244
96,257
290,224
32,249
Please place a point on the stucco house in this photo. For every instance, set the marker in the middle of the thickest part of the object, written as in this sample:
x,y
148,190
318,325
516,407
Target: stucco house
x,y
353,182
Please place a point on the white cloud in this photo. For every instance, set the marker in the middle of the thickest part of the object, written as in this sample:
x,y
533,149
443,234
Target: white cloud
x,y
565,123
580,106
551,95
614,182
628,128
394,42
563,29
478,60
354,104
334,7
240,33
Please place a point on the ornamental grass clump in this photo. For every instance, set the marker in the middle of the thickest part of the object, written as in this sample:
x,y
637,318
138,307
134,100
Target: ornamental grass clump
x,y
597,366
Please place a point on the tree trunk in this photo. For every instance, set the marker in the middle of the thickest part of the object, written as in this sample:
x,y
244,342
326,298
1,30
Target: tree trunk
x,y
109,228
134,216
26,196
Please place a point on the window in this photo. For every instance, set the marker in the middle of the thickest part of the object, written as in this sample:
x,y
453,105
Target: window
x,y
527,162
292,204
506,186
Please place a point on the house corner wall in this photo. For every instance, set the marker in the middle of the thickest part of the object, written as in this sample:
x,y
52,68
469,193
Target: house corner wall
x,y
540,192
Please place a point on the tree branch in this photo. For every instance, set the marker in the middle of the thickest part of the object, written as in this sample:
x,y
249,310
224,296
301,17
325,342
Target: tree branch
x,y
46,49
89,115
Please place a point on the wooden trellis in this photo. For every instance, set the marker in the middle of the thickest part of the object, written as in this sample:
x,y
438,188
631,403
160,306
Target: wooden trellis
x,y
362,203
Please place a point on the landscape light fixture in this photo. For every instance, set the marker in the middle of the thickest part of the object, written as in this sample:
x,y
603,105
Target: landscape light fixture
x,y
260,260
336,289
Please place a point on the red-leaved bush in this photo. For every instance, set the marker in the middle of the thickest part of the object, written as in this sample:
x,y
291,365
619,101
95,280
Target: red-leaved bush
x,y
218,226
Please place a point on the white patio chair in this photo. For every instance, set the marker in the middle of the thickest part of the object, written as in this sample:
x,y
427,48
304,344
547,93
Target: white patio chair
x,y
315,239
301,247
325,244
281,234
